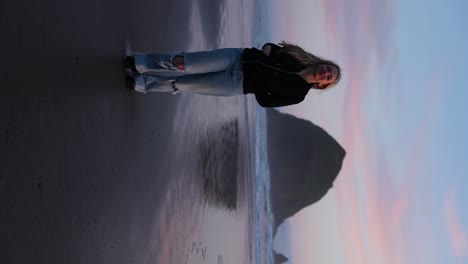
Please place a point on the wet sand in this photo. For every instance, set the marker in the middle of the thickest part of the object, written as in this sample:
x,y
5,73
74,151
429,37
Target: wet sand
x,y
83,160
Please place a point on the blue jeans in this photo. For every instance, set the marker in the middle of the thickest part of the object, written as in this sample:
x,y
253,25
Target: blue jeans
x,y
217,72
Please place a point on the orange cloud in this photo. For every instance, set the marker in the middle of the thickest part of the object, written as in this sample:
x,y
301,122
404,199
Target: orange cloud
x,y
457,234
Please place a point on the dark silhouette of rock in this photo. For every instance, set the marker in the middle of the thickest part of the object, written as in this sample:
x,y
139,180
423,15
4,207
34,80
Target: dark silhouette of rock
x,y
304,161
279,258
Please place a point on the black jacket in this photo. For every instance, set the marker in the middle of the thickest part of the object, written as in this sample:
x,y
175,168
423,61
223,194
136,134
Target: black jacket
x,y
273,79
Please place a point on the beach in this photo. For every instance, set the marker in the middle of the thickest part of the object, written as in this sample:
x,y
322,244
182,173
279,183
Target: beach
x,y
92,172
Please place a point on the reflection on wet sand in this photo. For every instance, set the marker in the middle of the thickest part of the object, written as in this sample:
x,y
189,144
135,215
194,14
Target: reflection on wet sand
x,y
217,164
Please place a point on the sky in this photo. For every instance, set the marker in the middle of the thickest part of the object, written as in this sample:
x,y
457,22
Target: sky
x,y
399,111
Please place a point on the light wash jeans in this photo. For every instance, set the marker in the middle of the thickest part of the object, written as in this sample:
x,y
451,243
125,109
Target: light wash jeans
x,y
217,72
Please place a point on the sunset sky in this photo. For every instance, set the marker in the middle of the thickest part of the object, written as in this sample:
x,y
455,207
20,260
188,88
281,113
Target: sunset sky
x,y
400,112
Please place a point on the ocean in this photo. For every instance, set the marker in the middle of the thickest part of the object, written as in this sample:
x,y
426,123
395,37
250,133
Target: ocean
x,y
217,208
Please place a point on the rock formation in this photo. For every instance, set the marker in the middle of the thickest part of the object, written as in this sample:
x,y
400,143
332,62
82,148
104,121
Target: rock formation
x,y
304,161
279,258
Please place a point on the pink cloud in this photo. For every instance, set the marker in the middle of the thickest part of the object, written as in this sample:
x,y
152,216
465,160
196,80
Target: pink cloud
x,y
350,31
360,27
373,231
457,233
380,218
360,32
375,213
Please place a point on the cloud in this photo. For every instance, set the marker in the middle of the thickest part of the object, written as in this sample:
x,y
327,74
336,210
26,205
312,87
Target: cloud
x,y
377,215
457,233
373,213
360,27
360,33
372,208
376,208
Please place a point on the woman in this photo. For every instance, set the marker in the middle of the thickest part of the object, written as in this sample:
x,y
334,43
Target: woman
x,y
278,75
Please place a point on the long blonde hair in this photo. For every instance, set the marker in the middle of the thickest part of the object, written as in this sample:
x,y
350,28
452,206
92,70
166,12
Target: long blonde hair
x,y
309,60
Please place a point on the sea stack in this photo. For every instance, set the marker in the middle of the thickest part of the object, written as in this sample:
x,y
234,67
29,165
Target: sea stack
x,y
304,162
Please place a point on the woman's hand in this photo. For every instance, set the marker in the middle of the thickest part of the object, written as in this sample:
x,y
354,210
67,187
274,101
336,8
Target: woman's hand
x,y
266,49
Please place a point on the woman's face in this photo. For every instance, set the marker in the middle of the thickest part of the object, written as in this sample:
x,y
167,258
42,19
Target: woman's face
x,y
326,74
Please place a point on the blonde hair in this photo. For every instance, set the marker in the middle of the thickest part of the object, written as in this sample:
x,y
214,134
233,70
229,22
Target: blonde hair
x,y
309,60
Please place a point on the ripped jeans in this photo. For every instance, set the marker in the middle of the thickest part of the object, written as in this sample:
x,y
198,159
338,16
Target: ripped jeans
x,y
217,72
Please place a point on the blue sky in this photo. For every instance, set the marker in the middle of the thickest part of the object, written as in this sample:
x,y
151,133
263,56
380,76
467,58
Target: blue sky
x,y
400,113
